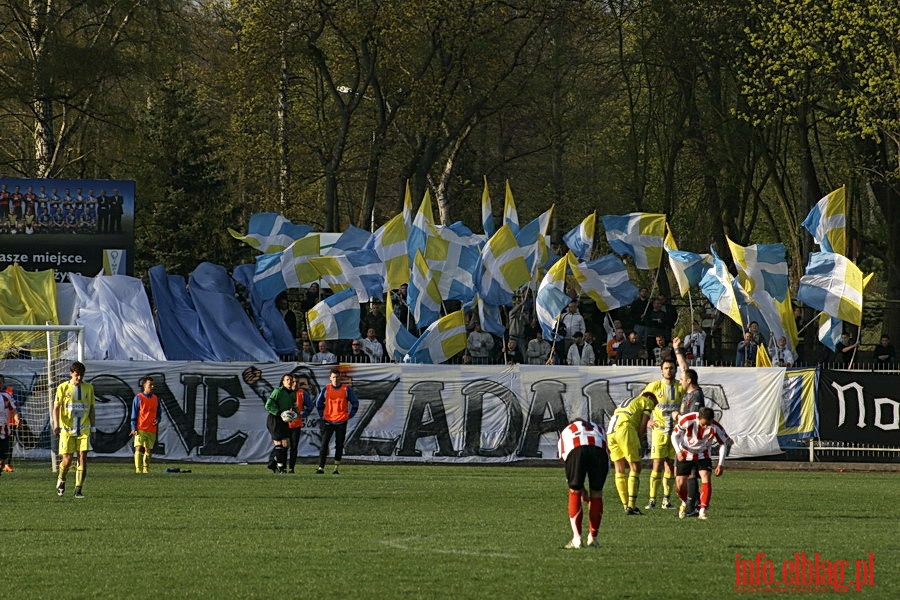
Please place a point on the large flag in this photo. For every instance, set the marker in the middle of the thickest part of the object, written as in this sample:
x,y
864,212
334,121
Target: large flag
x,y
389,243
397,338
834,285
688,267
761,266
270,232
639,235
829,331
510,214
424,296
605,281
503,268
362,271
551,296
27,297
827,222
454,257
442,340
335,318
487,211
422,228
289,268
351,240
721,289
580,240
489,317
532,239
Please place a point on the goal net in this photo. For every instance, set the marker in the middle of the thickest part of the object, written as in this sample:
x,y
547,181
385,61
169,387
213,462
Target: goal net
x,y
34,359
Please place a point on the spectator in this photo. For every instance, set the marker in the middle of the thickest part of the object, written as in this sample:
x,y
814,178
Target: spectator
x,y
780,354
511,353
324,356
631,350
311,297
580,354
745,356
375,319
538,351
756,334
373,346
883,355
356,356
480,344
612,346
662,351
636,311
654,323
695,345
306,352
844,350
599,349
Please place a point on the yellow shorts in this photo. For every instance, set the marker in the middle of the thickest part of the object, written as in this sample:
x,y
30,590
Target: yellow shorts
x,y
70,444
661,446
624,443
146,439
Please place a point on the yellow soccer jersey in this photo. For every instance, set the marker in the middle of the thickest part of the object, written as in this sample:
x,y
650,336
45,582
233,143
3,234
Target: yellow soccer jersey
x,y
669,399
75,407
630,413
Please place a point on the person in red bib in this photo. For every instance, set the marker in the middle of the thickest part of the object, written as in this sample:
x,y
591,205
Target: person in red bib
x,y
337,404
145,415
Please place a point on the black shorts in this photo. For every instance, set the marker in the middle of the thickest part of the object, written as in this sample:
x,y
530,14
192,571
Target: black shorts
x,y
278,429
684,469
589,461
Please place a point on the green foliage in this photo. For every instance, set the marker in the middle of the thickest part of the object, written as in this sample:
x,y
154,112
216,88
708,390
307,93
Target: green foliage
x,y
388,531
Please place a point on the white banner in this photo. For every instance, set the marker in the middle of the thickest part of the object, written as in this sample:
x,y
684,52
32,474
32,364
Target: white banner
x,y
213,412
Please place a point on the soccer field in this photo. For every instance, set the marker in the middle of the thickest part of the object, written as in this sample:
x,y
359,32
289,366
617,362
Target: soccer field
x,y
386,531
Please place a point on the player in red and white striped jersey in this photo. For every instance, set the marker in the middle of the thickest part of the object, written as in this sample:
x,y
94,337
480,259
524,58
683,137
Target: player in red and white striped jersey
x,y
582,445
693,437
8,416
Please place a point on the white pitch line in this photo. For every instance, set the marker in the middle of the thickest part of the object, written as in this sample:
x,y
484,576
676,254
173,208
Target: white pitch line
x,y
401,545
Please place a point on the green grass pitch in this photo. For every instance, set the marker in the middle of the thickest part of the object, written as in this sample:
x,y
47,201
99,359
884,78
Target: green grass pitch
x,y
390,531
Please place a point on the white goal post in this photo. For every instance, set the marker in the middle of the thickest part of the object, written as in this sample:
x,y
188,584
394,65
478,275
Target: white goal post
x,y
34,359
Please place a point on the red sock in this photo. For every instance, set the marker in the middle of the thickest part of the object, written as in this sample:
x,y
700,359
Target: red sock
x,y
705,494
575,509
595,514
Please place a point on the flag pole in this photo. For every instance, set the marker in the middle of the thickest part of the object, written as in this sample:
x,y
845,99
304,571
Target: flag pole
x,y
553,341
818,314
856,345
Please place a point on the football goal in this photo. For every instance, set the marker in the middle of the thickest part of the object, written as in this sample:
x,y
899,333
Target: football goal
x,y
34,359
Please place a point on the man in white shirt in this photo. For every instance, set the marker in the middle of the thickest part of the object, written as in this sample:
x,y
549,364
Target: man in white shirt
x,y
480,344
323,356
372,346
580,354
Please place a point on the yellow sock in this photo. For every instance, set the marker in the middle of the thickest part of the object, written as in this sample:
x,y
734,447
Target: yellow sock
x,y
633,485
655,476
79,476
146,462
137,461
63,473
668,485
622,487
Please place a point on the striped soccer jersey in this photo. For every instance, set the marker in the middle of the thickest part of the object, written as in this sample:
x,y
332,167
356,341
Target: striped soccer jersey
x,y
697,440
577,434
6,410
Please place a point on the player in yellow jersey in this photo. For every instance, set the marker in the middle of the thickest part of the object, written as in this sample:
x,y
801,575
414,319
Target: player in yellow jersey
x,y
627,426
73,422
668,393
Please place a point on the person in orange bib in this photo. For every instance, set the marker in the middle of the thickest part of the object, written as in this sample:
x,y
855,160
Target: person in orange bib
x,y
145,415
337,404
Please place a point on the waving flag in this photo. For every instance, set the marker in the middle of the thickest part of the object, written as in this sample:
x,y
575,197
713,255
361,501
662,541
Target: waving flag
x,y
389,243
351,240
720,288
454,257
761,266
829,331
638,235
442,340
510,214
407,207
762,356
487,212
489,317
270,232
834,285
397,338
827,221
551,297
688,267
422,228
424,296
532,239
504,268
361,271
580,240
289,268
605,281
335,317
